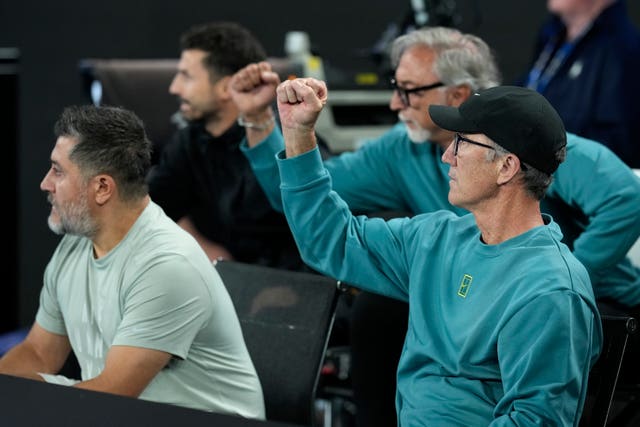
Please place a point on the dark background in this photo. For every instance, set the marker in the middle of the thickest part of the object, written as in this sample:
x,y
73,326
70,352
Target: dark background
x,y
53,36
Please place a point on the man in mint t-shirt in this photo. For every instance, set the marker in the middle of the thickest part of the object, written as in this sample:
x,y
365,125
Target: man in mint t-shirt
x,y
129,291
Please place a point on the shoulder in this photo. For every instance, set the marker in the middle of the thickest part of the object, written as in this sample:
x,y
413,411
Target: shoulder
x,y
615,33
161,249
444,222
584,147
544,260
155,228
583,154
548,252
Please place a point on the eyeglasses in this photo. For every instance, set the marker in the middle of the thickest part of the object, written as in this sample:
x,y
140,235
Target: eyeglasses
x,y
404,93
458,138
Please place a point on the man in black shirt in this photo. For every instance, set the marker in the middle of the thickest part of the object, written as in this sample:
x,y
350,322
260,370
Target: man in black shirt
x,y
202,180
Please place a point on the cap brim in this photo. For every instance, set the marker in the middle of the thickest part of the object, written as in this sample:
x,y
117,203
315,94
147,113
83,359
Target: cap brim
x,y
449,118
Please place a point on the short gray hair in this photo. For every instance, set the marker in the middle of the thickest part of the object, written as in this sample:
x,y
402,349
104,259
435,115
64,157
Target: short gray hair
x,y
535,181
461,58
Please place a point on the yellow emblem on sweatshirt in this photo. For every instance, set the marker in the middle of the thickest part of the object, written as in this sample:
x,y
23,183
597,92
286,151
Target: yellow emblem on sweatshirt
x,y
465,284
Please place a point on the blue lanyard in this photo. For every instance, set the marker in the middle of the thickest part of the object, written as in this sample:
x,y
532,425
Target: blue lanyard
x,y
546,66
548,63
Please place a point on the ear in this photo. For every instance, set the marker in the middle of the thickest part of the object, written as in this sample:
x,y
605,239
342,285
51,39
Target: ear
x,y
222,88
509,167
456,95
104,188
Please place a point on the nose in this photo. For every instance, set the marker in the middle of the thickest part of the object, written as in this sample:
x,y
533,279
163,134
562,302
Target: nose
x,y
448,156
173,87
46,183
395,103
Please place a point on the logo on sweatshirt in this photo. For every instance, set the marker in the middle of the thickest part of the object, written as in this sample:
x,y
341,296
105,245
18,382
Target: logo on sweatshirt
x,y
465,284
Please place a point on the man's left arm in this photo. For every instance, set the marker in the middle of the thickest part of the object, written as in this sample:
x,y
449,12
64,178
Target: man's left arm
x,y
127,371
595,181
546,350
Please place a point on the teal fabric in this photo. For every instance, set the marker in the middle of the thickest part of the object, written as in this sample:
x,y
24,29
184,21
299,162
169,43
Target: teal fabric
x,y
498,335
595,197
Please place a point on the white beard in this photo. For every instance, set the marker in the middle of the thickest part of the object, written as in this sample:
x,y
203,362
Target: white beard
x,y
418,136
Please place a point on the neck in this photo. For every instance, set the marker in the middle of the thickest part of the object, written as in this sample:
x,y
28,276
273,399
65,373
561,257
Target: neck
x,y
578,21
507,217
219,123
115,224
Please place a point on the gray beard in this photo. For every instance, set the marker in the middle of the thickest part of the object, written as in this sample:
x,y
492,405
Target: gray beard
x,y
75,220
418,136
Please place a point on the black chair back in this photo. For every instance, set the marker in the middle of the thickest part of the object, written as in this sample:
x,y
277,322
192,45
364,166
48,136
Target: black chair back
x,y
604,374
286,319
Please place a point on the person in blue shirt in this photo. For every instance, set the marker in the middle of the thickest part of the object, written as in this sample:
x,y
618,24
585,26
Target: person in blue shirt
x,y
503,325
594,196
585,63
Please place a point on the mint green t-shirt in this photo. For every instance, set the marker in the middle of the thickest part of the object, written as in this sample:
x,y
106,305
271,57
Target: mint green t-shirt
x,y
156,289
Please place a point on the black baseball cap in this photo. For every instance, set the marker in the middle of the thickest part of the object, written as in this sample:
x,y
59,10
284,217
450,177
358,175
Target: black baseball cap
x,y
519,119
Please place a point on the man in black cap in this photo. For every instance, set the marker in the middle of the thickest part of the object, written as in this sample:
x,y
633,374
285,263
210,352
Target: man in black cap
x,y
503,326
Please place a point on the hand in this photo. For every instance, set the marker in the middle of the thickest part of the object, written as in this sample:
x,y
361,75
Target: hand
x,y
300,102
253,90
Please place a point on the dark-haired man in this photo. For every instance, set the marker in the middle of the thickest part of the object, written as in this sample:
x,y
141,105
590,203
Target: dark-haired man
x,y
131,293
